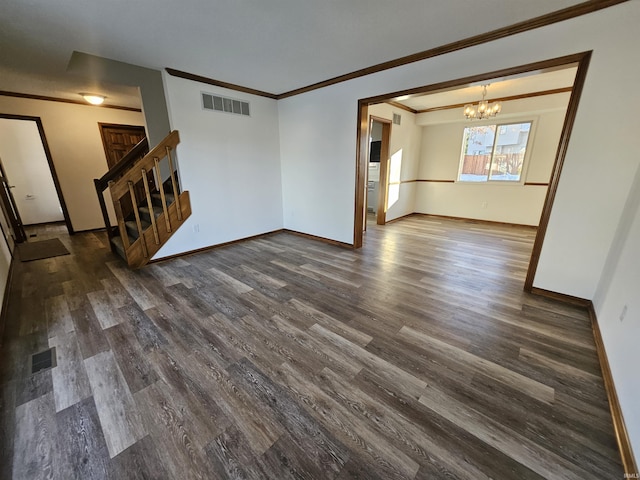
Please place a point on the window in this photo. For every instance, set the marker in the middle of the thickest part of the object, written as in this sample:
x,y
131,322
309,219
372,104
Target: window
x,y
494,152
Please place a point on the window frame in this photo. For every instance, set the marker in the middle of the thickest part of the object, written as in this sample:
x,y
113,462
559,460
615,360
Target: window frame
x,y
525,161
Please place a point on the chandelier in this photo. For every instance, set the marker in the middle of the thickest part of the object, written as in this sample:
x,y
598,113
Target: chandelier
x,y
483,109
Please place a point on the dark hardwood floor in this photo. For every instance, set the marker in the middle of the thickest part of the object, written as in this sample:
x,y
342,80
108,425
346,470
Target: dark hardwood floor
x,y
416,357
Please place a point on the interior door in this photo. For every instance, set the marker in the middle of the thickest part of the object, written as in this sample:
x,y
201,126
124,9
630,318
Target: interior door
x,y
10,211
119,139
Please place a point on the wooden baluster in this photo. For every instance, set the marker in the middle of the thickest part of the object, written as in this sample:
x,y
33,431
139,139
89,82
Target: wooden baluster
x,y
162,196
120,219
121,225
152,215
134,201
103,207
174,184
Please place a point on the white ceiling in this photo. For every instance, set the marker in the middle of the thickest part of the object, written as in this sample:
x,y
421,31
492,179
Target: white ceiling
x,y
270,45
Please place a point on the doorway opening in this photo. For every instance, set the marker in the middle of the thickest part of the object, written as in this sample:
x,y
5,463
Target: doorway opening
x,y
30,192
579,61
378,168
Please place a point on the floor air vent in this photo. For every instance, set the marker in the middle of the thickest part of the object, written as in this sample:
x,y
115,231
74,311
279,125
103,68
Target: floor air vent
x,y
43,360
224,104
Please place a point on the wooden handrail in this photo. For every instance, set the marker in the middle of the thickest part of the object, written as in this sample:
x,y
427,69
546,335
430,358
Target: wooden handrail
x,y
102,183
133,183
120,188
139,150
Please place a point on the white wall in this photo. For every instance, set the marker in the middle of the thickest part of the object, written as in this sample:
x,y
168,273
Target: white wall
x,y
76,148
582,223
404,151
440,160
27,169
229,163
317,152
619,290
318,147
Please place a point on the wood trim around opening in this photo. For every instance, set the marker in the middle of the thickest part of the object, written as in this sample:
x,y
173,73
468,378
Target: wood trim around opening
x,y
581,59
563,61
4,93
499,99
362,134
622,436
383,189
52,168
565,134
402,106
5,300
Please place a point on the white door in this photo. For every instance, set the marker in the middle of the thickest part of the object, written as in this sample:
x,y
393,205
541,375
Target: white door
x,y
26,167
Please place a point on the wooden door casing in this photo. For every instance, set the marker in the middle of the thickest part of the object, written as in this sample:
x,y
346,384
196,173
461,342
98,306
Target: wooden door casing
x,y
119,139
10,210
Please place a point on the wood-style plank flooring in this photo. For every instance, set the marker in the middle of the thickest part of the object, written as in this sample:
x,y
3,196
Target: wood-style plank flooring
x,y
416,357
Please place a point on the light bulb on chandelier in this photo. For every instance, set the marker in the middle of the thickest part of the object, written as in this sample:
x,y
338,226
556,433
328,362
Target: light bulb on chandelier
x,y
483,109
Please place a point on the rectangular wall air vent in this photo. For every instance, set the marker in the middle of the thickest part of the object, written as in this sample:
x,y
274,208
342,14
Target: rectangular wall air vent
x,y
224,104
396,119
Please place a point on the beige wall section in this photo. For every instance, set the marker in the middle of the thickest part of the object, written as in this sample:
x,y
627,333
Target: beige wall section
x,y
404,150
440,160
148,81
26,167
76,147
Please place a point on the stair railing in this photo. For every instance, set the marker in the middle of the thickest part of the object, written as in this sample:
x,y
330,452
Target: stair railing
x,y
133,192
102,183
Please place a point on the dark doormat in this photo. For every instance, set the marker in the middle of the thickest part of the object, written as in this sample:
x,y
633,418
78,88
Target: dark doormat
x,y
29,251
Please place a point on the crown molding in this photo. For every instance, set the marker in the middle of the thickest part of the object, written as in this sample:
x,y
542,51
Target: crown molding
x,y
524,26
4,93
531,24
231,86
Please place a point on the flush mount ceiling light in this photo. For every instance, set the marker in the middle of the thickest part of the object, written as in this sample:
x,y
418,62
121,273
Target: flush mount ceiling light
x,y
93,99
483,109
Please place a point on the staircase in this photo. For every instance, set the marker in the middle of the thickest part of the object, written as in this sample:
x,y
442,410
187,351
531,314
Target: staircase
x,y
147,201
